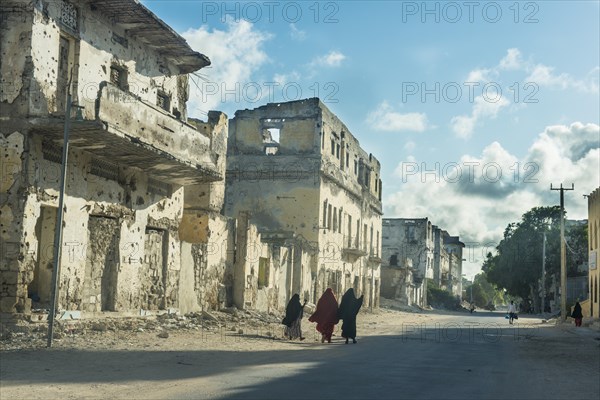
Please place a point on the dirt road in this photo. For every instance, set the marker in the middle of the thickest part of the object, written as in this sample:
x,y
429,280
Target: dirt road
x,y
399,355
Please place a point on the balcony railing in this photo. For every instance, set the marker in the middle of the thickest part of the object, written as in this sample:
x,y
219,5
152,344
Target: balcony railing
x,y
352,246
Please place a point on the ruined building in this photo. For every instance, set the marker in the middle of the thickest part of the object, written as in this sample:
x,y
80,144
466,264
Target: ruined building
x,y
295,170
144,186
415,250
403,240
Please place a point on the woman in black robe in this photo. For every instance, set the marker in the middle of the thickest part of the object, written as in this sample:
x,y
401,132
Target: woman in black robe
x,y
293,318
347,312
577,314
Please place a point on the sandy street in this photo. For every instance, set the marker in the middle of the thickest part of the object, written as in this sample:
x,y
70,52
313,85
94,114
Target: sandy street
x,y
399,355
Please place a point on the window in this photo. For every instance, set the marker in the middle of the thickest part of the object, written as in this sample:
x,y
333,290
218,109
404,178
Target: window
x,y
410,234
337,152
349,230
118,77
329,216
325,214
332,147
335,219
347,159
68,15
355,167
340,221
263,272
163,100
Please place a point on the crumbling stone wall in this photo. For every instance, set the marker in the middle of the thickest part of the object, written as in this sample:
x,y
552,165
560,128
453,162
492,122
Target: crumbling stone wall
x,y
296,183
127,161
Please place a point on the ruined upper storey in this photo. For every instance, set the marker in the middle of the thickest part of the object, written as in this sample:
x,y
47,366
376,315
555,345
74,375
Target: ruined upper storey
x,y
45,44
303,130
127,75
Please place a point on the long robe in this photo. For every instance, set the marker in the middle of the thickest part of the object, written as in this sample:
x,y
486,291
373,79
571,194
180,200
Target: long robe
x,y
326,314
293,317
347,312
577,312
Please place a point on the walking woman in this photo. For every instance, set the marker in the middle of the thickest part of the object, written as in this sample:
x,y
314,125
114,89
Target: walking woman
x,y
293,318
326,315
349,307
577,314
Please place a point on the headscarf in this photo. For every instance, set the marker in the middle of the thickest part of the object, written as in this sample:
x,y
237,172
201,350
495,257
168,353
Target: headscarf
x,y
293,310
327,307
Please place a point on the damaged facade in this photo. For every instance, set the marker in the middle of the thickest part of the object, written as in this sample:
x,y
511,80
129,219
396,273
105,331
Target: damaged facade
x,y
413,251
295,170
144,186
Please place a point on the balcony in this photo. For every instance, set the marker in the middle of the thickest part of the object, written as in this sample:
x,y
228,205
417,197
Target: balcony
x,y
351,247
130,132
374,258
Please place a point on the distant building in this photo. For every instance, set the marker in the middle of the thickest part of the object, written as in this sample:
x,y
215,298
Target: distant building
x,y
414,248
410,239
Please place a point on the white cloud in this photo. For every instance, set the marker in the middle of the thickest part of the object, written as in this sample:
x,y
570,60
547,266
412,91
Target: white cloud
x,y
297,34
512,61
544,75
483,107
479,208
331,59
479,75
283,79
384,118
235,53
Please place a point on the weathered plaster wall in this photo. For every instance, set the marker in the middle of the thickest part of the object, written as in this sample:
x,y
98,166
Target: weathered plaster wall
x,y
121,234
125,200
31,43
286,183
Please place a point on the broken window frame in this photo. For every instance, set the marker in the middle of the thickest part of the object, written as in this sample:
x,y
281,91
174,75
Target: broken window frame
x,y
121,80
165,104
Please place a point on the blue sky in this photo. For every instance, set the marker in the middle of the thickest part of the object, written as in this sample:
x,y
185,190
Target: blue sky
x,y
512,100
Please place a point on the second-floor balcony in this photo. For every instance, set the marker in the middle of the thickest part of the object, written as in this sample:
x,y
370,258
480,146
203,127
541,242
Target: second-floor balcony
x,y
353,246
130,132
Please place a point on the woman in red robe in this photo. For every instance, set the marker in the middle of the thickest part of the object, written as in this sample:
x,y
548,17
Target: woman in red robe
x,y
326,315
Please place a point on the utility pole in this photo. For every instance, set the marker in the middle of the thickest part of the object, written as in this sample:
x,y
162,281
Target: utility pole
x,y
544,274
563,252
59,218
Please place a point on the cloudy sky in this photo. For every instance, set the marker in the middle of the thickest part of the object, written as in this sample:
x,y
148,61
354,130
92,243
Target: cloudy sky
x,y
473,108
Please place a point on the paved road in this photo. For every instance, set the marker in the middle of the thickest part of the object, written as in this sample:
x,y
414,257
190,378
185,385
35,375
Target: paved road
x,y
477,356
457,356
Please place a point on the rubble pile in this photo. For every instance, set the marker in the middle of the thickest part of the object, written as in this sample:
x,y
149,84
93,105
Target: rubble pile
x,y
110,330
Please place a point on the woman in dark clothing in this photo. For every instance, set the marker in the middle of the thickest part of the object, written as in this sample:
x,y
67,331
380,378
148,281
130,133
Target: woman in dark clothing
x,y
349,307
577,314
326,315
293,318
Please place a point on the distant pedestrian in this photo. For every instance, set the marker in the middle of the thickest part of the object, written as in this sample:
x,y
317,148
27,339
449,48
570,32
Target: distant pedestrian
x,y
577,314
293,318
326,315
349,307
512,312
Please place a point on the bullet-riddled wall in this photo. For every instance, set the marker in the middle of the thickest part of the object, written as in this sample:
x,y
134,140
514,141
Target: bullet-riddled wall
x,y
297,170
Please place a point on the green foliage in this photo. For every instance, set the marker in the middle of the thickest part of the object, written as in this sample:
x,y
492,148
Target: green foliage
x,y
484,292
517,266
439,298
